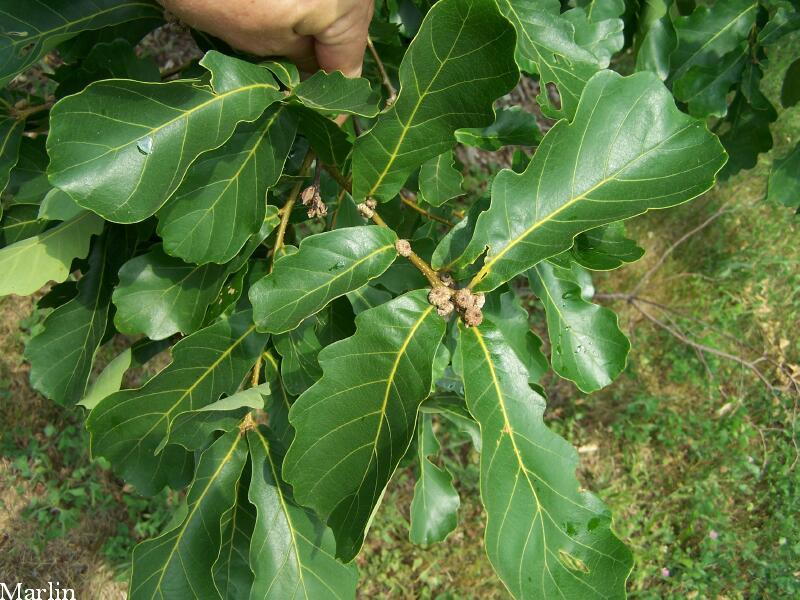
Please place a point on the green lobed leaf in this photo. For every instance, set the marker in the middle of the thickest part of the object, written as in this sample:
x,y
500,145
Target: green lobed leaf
x,y
28,180
605,248
512,127
605,166
748,134
785,19
439,180
10,138
116,59
231,571
657,39
333,93
599,28
62,353
328,140
108,381
19,223
458,64
178,563
434,507
366,297
705,89
546,46
587,346
30,263
507,314
121,148
31,29
222,200
299,349
193,429
784,179
291,553
544,536
790,90
326,266
128,427
159,295
58,206
449,252
355,424
710,33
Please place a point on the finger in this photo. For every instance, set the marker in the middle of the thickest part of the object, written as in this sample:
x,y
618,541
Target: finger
x,y
300,50
341,45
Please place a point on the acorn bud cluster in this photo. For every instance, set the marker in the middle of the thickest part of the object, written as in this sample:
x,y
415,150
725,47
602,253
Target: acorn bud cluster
x,y
463,301
367,208
312,200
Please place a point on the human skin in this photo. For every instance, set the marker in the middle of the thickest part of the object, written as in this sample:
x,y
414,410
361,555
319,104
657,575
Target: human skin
x,y
314,34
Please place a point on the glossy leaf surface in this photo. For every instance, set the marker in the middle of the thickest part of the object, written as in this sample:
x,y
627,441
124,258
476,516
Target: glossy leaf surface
x,y
326,266
121,148
30,263
31,29
434,508
605,166
459,63
223,199
544,537
129,426
178,562
356,423
587,346
291,553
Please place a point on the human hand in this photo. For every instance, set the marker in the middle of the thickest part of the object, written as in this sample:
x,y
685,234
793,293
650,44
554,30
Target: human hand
x,y
327,34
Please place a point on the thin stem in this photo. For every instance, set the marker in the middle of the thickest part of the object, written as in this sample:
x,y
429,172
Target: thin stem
x,y
387,83
256,373
414,258
286,211
404,196
24,113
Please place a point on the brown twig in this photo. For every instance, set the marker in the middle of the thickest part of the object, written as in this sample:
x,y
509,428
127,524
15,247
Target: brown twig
x,y
286,210
24,113
387,82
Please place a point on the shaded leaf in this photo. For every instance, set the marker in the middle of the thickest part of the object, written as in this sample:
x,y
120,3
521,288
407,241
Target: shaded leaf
x,y
231,571
790,91
128,427
194,428
355,424
449,253
458,64
177,564
108,381
602,167
30,30
748,133
121,148
58,206
439,180
291,552
512,127
546,46
587,346
30,263
326,266
333,93
159,295
367,297
28,180
605,248
544,536
328,140
784,179
785,19
710,33
657,38
705,89
62,354
21,222
10,138
434,508
299,349
222,200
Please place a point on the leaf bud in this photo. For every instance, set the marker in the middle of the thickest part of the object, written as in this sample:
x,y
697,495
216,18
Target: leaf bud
x,y
473,317
403,248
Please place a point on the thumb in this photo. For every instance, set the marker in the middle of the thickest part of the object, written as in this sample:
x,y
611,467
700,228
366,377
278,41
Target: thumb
x,y
341,45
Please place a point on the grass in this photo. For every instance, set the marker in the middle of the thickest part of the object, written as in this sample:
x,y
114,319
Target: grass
x,y
696,457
